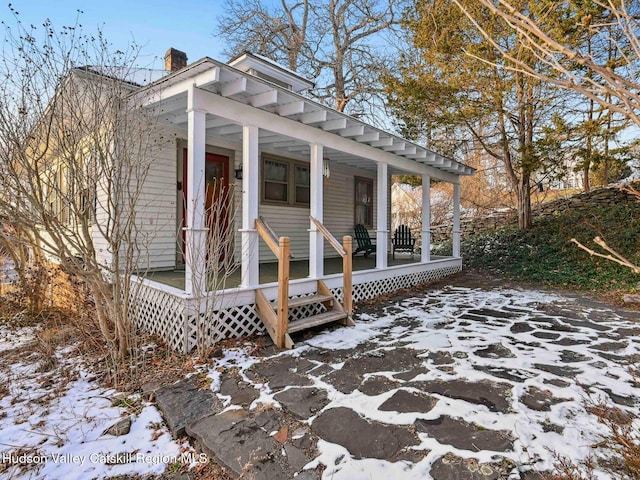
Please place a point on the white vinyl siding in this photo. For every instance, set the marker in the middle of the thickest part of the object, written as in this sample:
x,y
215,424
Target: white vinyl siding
x,y
293,222
155,211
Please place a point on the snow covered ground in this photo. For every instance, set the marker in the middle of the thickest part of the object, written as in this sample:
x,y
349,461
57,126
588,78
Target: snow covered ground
x,y
52,422
467,378
538,356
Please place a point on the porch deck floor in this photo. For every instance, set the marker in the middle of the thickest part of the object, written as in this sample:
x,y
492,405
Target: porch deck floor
x,y
298,269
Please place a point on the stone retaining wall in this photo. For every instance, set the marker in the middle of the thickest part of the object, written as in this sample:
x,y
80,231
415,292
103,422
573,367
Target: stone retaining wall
x,y
583,201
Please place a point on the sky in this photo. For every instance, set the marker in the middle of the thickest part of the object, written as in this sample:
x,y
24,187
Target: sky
x,y
188,25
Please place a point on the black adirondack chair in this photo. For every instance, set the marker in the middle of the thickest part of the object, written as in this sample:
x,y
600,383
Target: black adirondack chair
x,y
403,241
364,241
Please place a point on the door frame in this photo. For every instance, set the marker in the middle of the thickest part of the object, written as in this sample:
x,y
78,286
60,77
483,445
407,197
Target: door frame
x,y
225,159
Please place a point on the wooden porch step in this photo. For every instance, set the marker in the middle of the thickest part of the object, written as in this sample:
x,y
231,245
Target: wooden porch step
x,y
308,300
316,320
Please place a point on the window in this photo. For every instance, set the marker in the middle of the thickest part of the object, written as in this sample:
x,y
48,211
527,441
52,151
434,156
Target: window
x,y
276,181
363,201
286,182
303,185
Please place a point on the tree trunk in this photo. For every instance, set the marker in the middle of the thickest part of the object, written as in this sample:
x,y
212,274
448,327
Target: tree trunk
x,y
524,202
586,184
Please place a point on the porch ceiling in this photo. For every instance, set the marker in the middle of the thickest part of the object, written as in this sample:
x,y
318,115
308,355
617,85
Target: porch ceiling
x,y
169,96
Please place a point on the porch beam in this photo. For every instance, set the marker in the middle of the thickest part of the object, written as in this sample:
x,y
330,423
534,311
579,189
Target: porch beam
x,y
293,108
395,147
218,122
314,117
195,230
270,97
382,232
245,114
203,79
250,184
335,124
283,144
298,148
316,240
384,142
418,155
354,131
456,220
230,129
409,150
368,137
239,85
426,219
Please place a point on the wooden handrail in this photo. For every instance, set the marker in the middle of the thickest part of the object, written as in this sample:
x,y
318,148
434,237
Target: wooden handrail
x,y
327,235
268,227
347,263
267,235
281,249
347,275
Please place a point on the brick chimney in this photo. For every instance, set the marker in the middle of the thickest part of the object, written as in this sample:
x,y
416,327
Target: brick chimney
x,y
174,60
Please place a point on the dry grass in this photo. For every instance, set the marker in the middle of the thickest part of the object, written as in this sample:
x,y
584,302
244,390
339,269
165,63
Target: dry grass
x,y
617,454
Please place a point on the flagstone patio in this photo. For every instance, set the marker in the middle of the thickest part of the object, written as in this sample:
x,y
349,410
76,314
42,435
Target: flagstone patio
x,y
464,381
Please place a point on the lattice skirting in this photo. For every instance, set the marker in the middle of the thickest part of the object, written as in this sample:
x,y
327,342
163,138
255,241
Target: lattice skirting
x,y
175,319
161,313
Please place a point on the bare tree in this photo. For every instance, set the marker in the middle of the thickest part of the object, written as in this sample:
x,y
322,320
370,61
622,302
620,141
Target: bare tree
x,y
279,33
75,152
613,85
339,43
216,261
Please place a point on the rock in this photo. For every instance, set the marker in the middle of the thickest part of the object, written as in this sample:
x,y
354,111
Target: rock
x,y
465,436
404,402
241,393
121,427
343,380
184,402
284,371
521,327
621,399
488,312
556,382
631,298
303,402
546,335
239,444
496,350
281,436
411,374
450,467
560,370
363,438
610,346
569,356
540,400
377,385
512,374
441,358
296,458
492,394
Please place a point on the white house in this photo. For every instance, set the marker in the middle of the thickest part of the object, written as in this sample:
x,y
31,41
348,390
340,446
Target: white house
x,y
248,123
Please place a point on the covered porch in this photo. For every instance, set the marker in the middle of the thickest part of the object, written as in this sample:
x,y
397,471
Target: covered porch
x,y
298,269
306,170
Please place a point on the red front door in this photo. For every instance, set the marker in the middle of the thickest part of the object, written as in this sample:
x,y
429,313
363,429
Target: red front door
x,y
217,196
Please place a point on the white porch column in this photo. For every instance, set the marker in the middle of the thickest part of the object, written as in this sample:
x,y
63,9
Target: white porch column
x,y
382,232
250,188
456,219
316,240
196,231
426,218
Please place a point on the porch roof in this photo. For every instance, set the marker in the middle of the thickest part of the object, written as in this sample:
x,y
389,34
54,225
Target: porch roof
x,y
169,96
